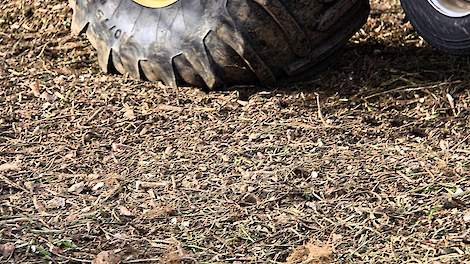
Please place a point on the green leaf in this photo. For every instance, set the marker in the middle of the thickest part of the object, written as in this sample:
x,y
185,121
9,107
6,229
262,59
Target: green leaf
x,y
65,244
43,252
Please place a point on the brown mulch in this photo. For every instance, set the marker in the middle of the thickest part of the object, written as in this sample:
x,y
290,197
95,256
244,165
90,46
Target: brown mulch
x,y
366,163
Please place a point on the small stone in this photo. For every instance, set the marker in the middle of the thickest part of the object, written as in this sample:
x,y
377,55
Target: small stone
x,y
314,174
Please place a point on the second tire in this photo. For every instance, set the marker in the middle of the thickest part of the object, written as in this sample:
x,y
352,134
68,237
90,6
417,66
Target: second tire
x,y
445,24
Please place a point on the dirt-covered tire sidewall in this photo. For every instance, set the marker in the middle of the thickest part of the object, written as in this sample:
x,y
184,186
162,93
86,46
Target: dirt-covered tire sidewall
x,y
214,43
449,34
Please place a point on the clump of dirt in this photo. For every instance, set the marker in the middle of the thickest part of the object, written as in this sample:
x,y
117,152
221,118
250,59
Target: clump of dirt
x,y
311,254
371,156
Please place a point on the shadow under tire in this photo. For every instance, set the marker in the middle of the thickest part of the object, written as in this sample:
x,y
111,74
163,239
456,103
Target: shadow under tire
x,y
443,31
217,43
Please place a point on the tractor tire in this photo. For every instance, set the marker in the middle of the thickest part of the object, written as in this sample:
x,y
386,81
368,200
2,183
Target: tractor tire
x,y
217,43
443,25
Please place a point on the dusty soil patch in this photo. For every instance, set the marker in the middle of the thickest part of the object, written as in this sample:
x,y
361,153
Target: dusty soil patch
x,y
371,159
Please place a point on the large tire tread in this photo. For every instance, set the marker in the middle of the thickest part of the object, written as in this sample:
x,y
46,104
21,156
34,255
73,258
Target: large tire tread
x,y
286,38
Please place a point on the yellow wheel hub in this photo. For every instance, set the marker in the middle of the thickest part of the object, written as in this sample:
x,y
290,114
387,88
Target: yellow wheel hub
x,y
155,3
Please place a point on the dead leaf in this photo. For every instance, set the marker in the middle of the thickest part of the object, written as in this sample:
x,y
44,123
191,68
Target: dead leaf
x,y
60,6
242,103
98,186
107,257
93,177
118,147
56,203
36,88
311,205
7,249
76,188
29,186
311,254
38,205
163,107
249,199
444,145
190,183
151,194
451,101
336,237
48,97
158,212
124,211
129,112
7,167
70,155
55,250
174,254
59,95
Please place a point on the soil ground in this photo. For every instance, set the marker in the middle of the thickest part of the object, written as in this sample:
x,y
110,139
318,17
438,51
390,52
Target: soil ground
x,y
366,163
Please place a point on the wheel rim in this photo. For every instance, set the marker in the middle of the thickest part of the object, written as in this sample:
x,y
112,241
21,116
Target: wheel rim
x,y
155,3
451,8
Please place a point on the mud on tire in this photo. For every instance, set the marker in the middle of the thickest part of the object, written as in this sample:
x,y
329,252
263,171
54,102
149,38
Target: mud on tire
x,y
212,43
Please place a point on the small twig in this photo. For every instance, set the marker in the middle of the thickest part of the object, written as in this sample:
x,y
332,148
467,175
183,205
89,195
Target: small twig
x,y
73,259
14,220
462,151
173,182
155,260
460,142
407,88
93,116
320,114
12,184
47,231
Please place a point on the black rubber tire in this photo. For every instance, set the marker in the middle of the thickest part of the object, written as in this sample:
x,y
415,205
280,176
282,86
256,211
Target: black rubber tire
x,y
449,34
213,43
